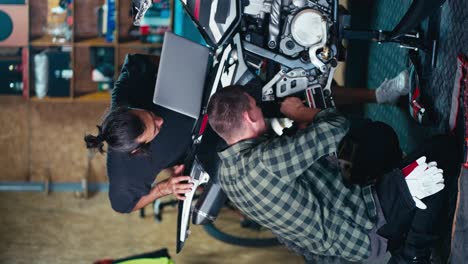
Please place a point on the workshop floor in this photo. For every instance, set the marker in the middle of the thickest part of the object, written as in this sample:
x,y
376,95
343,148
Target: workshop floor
x,y
59,228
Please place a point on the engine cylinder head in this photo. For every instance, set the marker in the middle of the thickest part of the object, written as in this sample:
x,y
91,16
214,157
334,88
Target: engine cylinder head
x,y
308,28
299,3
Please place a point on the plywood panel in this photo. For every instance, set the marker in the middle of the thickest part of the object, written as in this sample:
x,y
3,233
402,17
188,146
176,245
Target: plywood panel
x,y
83,72
125,18
38,18
61,229
85,14
57,146
13,139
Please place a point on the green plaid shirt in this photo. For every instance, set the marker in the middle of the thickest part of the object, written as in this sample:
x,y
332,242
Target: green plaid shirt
x,y
293,186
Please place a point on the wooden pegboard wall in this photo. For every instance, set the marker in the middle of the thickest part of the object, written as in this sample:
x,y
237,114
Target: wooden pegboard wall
x,y
57,146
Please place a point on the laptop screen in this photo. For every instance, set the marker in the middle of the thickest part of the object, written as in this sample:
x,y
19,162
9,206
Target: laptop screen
x,y
181,75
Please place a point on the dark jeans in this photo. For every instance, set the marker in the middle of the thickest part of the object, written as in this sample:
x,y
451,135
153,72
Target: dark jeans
x,y
373,149
413,231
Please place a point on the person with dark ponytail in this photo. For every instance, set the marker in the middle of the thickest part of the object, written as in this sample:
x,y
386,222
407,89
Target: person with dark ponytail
x,y
142,140
121,129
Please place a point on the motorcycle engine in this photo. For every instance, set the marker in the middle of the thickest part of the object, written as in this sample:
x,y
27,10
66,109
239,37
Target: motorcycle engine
x,y
304,29
305,24
298,31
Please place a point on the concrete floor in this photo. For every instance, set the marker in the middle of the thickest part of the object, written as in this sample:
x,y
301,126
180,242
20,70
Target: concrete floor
x,y
59,228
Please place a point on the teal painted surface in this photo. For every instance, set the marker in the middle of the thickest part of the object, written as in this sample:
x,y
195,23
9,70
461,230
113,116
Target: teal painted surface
x,y
384,62
372,63
184,26
53,187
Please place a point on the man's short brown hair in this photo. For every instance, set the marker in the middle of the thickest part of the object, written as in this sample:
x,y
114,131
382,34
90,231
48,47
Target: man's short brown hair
x,y
225,110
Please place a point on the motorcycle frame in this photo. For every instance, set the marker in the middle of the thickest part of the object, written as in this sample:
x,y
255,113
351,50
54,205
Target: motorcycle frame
x,y
417,12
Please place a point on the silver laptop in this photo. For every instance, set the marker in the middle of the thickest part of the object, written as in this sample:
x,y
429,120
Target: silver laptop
x,y
181,75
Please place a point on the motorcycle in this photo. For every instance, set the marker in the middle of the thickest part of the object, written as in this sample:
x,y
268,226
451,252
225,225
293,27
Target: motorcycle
x,y
283,47
292,45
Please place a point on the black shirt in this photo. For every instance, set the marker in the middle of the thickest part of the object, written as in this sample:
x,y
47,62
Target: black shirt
x,y
130,177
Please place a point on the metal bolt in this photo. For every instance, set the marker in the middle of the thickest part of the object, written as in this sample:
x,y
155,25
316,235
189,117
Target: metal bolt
x,y
290,45
272,44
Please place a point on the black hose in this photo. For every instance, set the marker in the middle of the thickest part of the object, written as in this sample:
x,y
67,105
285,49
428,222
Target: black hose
x,y
239,241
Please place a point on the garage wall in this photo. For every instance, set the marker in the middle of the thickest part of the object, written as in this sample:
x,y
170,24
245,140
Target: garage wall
x,y
45,139
13,139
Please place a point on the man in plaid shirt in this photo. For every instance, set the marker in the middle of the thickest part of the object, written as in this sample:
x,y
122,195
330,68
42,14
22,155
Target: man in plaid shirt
x,y
293,184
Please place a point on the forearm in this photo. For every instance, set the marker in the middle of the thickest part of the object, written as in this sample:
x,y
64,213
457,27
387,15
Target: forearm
x,y
306,115
294,109
306,146
156,192
353,96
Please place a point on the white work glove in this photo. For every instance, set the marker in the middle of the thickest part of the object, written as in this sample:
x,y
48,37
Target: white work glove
x,y
279,124
425,180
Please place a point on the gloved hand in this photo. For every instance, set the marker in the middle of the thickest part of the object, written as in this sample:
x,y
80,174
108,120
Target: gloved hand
x,y
424,180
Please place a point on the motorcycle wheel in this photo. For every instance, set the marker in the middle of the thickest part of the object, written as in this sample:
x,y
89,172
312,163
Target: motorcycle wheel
x,y
228,230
